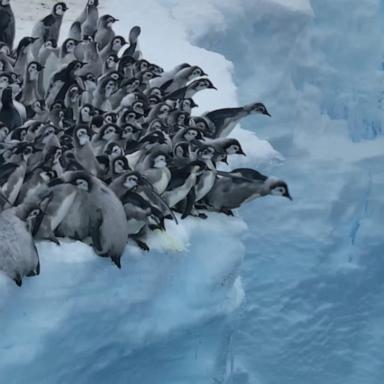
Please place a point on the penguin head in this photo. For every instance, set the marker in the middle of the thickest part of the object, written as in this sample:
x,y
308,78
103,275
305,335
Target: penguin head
x,y
110,87
196,72
155,91
117,42
93,3
206,153
181,150
186,105
110,118
107,21
131,180
86,113
120,165
59,9
47,174
82,135
138,107
5,80
159,160
69,46
127,132
279,188
202,84
4,3
4,132
163,111
156,70
74,92
142,65
260,108
35,213
154,100
109,132
50,44
111,61
131,85
192,134
204,126
114,150
33,70
75,66
82,181
54,154
233,147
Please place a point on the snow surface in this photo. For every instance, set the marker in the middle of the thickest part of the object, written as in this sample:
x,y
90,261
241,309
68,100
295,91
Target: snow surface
x,y
313,270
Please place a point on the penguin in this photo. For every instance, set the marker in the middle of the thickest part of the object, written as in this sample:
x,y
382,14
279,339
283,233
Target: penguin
x,y
86,23
7,23
85,114
83,150
190,90
167,76
18,253
89,85
226,146
48,27
242,185
103,92
108,133
183,179
31,89
105,214
61,81
113,47
12,174
133,47
157,172
72,102
110,64
105,33
90,55
226,119
23,54
181,79
9,113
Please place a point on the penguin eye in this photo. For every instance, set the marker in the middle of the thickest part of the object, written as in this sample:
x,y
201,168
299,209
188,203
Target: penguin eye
x,y
34,213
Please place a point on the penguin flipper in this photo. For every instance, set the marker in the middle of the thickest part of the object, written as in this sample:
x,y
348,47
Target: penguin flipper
x,y
95,231
75,31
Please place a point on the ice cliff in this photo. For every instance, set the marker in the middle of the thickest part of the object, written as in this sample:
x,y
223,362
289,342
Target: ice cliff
x,y
313,270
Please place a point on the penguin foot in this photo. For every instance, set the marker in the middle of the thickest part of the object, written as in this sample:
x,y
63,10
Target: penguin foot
x,y
18,280
142,245
227,212
117,261
202,216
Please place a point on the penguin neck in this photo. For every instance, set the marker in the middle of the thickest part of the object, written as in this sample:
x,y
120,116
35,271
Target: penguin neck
x,y
7,100
29,92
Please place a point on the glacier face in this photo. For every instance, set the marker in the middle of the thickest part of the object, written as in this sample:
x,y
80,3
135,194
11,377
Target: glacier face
x,y
312,271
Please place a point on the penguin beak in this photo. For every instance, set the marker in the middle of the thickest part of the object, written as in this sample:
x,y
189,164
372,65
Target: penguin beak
x,y
212,87
241,152
267,113
288,196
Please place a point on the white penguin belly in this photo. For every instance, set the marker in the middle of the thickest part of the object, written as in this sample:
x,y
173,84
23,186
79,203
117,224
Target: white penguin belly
x,y
62,211
205,184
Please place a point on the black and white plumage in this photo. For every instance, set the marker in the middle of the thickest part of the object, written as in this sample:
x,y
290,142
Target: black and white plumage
x,y
103,145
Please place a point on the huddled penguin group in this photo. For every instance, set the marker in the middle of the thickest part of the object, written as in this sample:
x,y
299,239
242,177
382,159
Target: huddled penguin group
x,y
99,145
